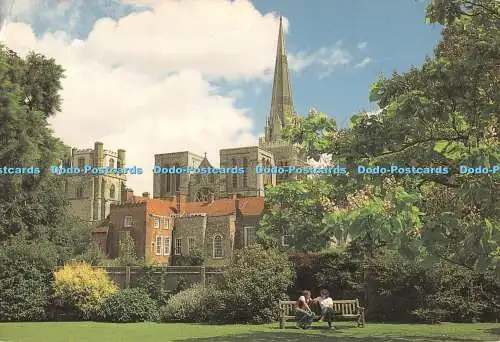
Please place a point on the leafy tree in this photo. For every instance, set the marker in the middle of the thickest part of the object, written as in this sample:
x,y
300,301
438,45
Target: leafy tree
x,y
296,209
444,113
254,282
126,252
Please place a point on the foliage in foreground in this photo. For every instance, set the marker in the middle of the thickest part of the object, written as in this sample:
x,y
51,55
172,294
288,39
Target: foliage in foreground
x,y
253,284
128,306
82,289
25,275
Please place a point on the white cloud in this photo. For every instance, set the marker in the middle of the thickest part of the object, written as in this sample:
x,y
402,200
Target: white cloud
x,y
364,62
327,58
144,83
362,45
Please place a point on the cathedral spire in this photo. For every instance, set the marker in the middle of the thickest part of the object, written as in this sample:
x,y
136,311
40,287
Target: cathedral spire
x,y
282,111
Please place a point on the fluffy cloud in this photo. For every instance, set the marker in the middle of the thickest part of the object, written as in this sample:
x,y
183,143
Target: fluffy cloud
x,y
143,83
326,58
363,63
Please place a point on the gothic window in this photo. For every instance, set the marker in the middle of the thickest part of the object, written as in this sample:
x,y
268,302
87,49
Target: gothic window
x,y
111,163
112,192
79,192
245,174
205,195
217,247
81,163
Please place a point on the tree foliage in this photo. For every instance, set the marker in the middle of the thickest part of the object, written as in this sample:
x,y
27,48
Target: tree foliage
x,y
443,113
296,209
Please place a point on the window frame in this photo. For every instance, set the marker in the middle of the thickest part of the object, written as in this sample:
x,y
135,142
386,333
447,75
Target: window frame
x,y
131,219
167,245
180,247
221,247
245,235
159,246
156,222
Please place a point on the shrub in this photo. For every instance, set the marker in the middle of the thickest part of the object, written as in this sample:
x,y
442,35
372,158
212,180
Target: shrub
x,y
255,281
151,281
195,304
25,275
82,289
128,306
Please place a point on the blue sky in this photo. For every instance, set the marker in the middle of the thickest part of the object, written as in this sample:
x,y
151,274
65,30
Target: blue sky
x,y
159,76
395,34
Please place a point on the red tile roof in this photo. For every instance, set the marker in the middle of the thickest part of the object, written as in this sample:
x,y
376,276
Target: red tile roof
x,y
157,206
249,206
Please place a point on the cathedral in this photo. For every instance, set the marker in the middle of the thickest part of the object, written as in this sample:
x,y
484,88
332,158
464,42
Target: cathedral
x,y
271,150
92,196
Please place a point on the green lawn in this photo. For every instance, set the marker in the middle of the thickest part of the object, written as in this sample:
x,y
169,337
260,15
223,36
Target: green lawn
x,y
149,332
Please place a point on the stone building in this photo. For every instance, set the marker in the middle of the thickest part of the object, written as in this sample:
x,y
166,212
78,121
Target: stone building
x,y
166,231
272,150
91,196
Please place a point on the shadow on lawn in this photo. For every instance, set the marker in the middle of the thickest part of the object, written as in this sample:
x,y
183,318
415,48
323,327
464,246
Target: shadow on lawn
x,y
317,334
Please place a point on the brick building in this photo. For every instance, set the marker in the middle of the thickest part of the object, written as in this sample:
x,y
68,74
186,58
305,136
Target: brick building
x,y
170,229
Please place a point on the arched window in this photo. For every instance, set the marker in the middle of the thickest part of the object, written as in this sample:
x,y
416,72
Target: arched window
x,y
112,191
111,163
217,247
245,174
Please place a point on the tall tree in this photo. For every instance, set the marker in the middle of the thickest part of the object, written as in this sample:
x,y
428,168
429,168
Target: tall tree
x,y
29,96
444,113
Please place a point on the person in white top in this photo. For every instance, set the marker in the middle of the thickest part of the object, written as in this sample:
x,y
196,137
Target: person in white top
x,y
326,304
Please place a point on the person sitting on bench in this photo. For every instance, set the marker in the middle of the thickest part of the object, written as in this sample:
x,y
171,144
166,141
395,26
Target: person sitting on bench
x,y
303,313
326,304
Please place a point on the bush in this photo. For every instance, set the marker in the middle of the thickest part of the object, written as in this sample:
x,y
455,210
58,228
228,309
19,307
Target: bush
x,y
128,306
196,304
255,281
195,258
82,289
152,281
25,276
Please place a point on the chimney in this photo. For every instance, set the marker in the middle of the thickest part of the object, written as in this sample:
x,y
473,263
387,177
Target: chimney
x,y
180,200
129,195
235,196
237,207
145,194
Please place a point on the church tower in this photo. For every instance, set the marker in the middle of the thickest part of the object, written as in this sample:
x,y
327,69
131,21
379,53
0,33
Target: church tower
x,y
282,112
281,115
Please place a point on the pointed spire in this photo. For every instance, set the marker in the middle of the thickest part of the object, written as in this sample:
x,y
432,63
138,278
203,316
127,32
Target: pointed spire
x,y
282,110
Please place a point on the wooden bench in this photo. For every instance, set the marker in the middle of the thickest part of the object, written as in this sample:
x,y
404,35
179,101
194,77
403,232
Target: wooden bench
x,y
346,308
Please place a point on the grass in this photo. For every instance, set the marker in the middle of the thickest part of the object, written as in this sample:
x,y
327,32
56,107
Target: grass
x,y
151,332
